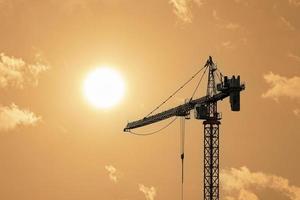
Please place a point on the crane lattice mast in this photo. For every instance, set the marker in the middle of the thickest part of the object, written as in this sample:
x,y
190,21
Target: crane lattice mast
x,y
205,109
211,139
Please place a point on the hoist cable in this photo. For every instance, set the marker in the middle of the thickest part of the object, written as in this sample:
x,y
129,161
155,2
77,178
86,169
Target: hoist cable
x,y
182,140
176,91
153,132
198,84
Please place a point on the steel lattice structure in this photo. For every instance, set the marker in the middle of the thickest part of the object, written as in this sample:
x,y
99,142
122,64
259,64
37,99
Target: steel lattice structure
x,y
211,160
211,140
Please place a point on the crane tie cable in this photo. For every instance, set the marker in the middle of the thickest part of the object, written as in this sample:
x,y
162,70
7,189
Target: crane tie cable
x,y
198,84
153,132
176,91
182,86
221,75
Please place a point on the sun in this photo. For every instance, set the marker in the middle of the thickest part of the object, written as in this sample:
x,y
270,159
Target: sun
x,y
104,87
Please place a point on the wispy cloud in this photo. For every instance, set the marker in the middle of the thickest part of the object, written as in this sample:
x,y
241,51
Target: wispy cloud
x,y
287,24
182,9
244,41
69,6
215,15
232,26
15,72
149,192
244,2
241,184
296,112
225,24
281,86
112,173
228,45
293,56
294,2
12,116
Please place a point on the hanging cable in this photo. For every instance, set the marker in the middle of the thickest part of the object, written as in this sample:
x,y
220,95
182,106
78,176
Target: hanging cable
x,y
152,133
182,138
221,75
176,91
198,84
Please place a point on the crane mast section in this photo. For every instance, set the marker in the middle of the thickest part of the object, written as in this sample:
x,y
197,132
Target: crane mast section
x,y
181,110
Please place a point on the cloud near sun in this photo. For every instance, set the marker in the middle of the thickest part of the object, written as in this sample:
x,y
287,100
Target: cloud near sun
x,y
15,72
12,116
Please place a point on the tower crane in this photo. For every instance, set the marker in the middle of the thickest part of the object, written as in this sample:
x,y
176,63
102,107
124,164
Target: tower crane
x,y
205,108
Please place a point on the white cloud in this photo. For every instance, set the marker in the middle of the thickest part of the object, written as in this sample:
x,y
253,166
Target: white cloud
x,y
281,86
293,56
241,184
12,116
182,10
15,72
287,24
149,192
112,173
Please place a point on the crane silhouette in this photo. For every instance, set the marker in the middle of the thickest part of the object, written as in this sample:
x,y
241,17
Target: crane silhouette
x,y
205,108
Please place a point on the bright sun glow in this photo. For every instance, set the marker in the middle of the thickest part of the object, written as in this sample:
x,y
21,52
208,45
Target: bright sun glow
x,y
104,87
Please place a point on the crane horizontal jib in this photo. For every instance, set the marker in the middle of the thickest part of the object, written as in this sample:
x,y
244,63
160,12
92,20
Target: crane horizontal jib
x,y
183,109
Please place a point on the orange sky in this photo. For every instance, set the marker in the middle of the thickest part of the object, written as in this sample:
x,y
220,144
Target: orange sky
x,y
54,145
